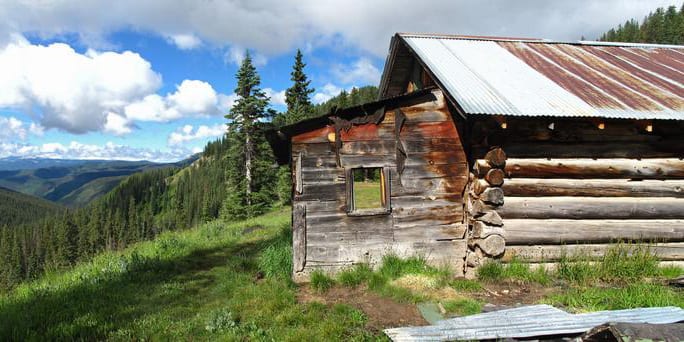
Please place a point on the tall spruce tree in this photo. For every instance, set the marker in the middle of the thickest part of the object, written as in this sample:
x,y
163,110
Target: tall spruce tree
x,y
299,104
250,175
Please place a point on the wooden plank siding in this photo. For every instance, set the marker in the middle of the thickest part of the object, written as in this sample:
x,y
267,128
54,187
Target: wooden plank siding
x,y
426,203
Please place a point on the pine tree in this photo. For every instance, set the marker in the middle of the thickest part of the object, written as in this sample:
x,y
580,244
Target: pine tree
x,y
299,105
250,175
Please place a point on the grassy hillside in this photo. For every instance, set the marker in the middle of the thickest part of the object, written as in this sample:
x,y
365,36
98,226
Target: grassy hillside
x,y
230,281
216,282
17,208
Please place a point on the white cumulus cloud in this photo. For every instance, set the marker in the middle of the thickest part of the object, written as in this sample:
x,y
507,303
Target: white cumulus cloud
x,y
188,133
73,92
185,41
191,98
236,54
277,97
12,128
326,93
360,72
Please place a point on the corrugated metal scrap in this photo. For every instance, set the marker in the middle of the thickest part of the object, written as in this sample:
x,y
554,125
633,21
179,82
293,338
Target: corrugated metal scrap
x,y
541,78
530,321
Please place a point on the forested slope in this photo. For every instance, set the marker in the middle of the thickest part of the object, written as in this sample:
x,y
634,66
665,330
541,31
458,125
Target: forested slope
x,y
17,208
663,26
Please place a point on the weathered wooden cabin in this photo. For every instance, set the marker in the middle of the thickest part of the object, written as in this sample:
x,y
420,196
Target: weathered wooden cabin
x,y
496,148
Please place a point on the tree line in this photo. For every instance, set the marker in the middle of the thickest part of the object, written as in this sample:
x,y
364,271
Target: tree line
x,y
664,26
236,177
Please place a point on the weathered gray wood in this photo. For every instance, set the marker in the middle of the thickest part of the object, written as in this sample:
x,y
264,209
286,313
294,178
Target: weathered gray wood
x,y
476,208
550,253
321,192
298,236
297,165
491,217
425,231
385,146
561,231
479,186
599,168
495,177
353,161
482,230
493,196
496,158
592,207
492,245
531,187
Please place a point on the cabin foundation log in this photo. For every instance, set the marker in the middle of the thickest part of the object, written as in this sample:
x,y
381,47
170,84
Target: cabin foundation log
x,y
551,253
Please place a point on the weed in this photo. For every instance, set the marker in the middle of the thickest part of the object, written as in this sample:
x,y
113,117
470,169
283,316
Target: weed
x,y
491,271
355,276
276,259
670,271
320,281
220,320
628,262
465,285
463,307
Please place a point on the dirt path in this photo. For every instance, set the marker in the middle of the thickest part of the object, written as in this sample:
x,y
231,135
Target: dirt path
x,y
382,312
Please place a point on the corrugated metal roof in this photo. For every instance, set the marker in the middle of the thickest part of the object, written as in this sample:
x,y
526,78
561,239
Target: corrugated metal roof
x,y
530,321
512,76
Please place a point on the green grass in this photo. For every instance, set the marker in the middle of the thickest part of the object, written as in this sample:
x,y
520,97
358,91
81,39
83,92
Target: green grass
x,y
321,282
392,268
355,276
200,284
617,297
626,276
367,195
494,271
462,307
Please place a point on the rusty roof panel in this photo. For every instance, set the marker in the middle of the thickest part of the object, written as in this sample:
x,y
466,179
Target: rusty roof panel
x,y
543,78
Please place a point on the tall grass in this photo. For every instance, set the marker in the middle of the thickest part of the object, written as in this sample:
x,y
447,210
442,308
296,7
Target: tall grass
x,y
493,271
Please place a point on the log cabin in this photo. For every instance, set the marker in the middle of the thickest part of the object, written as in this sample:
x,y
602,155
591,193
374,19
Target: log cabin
x,y
495,149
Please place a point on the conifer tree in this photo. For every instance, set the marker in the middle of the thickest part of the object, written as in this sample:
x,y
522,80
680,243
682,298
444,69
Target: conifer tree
x,y
299,104
251,174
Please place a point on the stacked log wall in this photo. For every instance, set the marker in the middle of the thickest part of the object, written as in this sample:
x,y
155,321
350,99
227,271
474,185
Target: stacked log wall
x,y
570,186
426,217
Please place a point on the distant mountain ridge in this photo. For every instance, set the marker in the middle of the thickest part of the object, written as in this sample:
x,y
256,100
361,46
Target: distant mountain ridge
x,y
71,182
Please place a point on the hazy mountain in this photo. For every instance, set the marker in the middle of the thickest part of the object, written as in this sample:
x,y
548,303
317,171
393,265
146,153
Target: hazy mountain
x,y
67,181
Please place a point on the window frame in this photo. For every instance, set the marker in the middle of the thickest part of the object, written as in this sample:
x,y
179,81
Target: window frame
x,y
384,187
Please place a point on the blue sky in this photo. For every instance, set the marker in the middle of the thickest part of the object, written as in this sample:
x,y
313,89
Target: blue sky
x,y
152,79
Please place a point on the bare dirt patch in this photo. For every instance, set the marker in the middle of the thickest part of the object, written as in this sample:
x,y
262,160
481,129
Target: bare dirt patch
x,y
382,312
511,293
